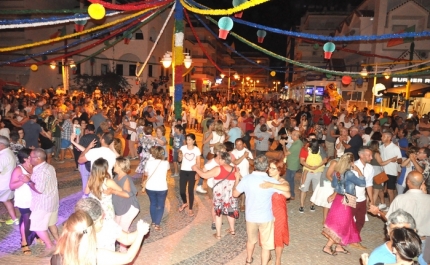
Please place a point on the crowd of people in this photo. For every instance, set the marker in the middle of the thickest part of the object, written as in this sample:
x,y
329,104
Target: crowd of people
x,y
358,163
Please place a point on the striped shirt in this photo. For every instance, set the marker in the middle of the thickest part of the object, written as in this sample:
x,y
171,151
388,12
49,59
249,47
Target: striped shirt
x,y
67,129
7,165
45,180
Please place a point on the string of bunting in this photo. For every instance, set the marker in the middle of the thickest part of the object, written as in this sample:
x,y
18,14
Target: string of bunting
x,y
70,45
138,72
221,12
389,36
110,45
45,11
38,22
106,25
98,42
131,6
310,67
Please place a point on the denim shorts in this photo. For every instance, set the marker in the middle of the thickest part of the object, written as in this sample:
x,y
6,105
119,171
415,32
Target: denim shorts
x,y
65,143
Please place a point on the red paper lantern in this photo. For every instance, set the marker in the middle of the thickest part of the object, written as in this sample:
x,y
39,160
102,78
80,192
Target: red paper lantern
x,y
346,80
238,15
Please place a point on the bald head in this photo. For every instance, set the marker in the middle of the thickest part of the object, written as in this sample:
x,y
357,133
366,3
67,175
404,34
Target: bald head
x,y
415,179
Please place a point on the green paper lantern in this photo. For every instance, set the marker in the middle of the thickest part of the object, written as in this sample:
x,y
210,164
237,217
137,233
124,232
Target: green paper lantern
x,y
225,24
261,34
316,46
238,2
328,48
328,76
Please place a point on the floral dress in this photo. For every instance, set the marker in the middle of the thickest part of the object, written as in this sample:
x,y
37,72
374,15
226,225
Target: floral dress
x,y
146,141
223,200
106,202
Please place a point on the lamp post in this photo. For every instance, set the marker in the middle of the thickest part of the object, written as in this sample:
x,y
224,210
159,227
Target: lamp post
x,y
167,62
236,76
66,64
276,83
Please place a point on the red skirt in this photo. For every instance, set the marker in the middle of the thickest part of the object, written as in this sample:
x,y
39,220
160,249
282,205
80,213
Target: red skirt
x,y
280,212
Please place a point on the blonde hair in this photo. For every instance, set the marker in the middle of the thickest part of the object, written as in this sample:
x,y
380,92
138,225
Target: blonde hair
x,y
123,163
157,152
219,129
218,147
99,172
117,145
78,244
344,163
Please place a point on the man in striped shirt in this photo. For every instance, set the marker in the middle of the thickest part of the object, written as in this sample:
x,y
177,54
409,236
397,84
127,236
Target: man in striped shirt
x,y
45,199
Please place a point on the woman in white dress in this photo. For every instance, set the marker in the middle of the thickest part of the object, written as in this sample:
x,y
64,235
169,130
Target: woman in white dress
x,y
324,190
217,136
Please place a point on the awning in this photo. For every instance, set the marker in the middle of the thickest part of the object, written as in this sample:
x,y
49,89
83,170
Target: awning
x,y
416,90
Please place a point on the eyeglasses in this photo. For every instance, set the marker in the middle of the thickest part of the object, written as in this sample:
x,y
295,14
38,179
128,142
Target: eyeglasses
x,y
273,168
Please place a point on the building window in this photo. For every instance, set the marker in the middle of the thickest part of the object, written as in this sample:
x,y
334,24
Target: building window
x,y
162,70
132,70
60,68
104,69
139,36
150,74
119,69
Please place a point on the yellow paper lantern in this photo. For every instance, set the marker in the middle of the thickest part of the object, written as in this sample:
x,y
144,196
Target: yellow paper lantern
x,y
96,11
34,67
273,73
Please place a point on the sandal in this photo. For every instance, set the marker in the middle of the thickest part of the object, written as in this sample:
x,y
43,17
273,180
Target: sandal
x,y
183,207
249,262
25,250
343,251
190,213
157,228
217,236
231,232
331,253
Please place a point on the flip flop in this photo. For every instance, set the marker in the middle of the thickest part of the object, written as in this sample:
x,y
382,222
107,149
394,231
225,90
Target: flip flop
x,y
231,232
249,262
217,236
343,251
331,253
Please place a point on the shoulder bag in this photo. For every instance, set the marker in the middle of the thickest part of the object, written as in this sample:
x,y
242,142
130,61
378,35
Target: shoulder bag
x,y
211,181
348,199
146,180
381,177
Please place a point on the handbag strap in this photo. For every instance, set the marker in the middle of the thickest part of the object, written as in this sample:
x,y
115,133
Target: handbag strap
x,y
154,171
232,168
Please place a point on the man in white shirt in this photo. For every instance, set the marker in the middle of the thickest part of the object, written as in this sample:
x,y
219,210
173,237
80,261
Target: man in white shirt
x,y
92,154
389,150
243,159
365,156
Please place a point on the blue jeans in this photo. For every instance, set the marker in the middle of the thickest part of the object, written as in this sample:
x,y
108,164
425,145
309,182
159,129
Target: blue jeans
x,y
289,176
157,199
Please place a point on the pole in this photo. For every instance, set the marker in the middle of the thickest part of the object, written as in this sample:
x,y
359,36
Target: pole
x,y
408,84
374,84
178,58
228,86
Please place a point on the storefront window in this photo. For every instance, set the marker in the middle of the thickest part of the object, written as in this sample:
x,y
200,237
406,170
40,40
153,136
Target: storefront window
x,y
309,94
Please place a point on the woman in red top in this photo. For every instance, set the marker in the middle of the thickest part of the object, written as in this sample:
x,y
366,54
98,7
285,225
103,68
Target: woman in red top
x,y
226,179
279,208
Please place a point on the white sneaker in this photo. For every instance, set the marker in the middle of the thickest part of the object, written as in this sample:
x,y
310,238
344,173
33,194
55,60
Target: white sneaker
x,y
382,206
200,189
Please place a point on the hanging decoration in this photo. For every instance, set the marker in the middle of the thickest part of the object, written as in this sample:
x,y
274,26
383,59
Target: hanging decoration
x,y
34,67
80,24
331,96
316,46
105,25
261,34
225,24
96,11
177,64
222,12
328,76
92,61
377,88
127,37
272,73
133,6
39,22
346,80
359,81
238,3
328,48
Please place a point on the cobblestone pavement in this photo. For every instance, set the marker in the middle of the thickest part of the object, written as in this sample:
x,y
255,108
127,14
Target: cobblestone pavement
x,y
188,240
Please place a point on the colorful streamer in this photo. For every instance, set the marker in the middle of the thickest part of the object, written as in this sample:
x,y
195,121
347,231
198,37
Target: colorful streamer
x,y
131,6
177,62
30,45
223,12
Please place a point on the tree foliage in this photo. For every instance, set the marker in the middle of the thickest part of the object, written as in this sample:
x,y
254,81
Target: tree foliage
x,y
109,80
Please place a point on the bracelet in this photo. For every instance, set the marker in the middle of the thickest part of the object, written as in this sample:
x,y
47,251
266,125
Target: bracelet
x,y
28,183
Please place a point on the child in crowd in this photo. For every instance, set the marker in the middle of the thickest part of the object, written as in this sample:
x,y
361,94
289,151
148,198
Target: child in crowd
x,y
313,159
178,141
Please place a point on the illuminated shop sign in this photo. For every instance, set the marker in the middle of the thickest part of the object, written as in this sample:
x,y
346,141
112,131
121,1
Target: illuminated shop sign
x,y
413,80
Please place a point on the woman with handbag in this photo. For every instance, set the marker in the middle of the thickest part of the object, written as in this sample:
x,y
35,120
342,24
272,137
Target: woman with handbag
x,y
217,136
226,178
156,184
339,226
377,164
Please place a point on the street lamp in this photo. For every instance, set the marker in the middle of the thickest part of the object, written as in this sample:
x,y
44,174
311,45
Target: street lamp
x,y
53,64
66,64
236,76
276,83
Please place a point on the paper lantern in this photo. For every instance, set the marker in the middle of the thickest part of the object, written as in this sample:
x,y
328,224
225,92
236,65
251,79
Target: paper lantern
x,y
96,11
316,46
34,67
359,81
273,73
225,24
346,80
127,37
261,34
378,87
328,76
80,24
238,3
328,48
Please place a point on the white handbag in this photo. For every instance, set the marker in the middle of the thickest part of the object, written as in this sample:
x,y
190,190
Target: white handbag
x,y
211,182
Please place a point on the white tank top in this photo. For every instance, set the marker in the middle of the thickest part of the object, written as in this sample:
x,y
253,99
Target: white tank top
x,y
23,194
